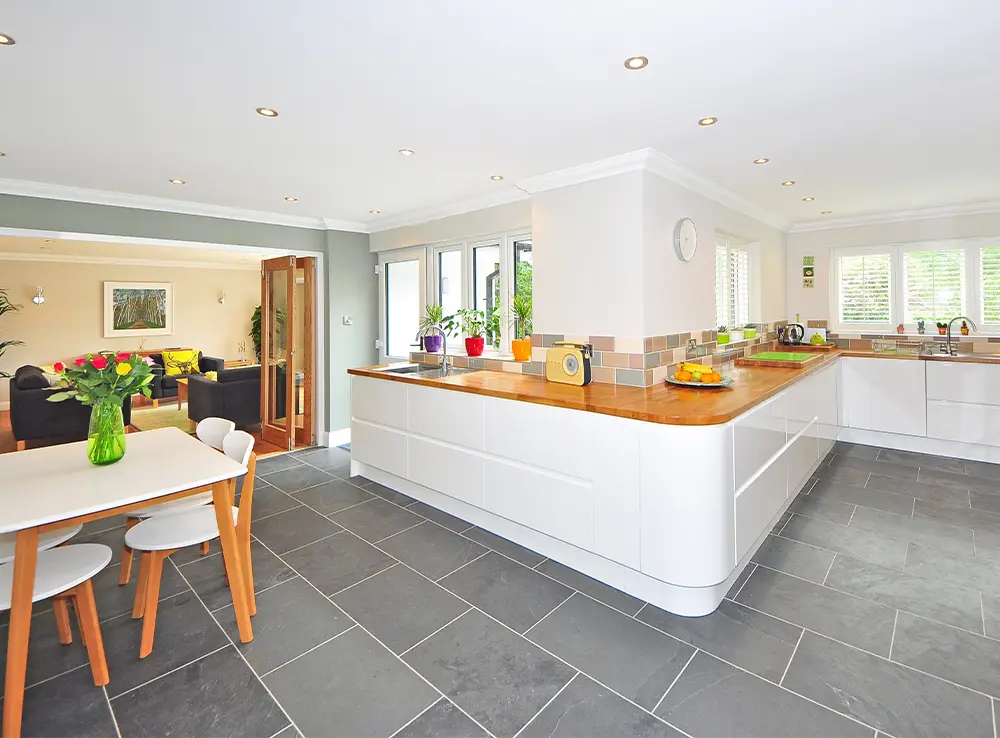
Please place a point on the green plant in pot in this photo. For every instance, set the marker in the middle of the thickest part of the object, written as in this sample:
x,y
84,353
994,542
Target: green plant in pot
x,y
723,335
103,381
749,331
942,329
522,312
6,306
433,319
255,323
472,324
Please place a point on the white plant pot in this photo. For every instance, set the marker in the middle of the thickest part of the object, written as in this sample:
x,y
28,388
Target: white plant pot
x,y
735,336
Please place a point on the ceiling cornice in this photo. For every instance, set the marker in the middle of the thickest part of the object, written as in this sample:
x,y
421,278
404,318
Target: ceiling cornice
x,y
117,261
144,202
610,167
456,207
898,216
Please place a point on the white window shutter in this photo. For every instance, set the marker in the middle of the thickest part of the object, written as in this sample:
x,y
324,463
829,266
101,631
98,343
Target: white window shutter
x,y
865,289
933,284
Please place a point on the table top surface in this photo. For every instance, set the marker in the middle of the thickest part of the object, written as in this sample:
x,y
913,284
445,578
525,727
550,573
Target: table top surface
x,y
47,485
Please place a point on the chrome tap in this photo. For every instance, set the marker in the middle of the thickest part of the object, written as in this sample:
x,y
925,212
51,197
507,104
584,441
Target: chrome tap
x,y
972,324
444,346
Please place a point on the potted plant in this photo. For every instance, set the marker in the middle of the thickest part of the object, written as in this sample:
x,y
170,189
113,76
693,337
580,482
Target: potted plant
x,y
900,328
964,328
920,326
521,345
735,334
942,329
433,318
103,381
723,335
6,306
471,323
749,331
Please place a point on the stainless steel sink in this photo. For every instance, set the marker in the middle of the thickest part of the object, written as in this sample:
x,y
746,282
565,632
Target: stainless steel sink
x,y
401,369
430,372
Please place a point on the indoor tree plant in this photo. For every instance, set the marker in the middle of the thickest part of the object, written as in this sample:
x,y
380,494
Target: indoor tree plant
x,y
6,306
723,334
521,345
433,318
255,329
103,381
472,323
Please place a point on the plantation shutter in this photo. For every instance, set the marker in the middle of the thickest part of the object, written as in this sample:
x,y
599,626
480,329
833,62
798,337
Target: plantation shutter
x,y
933,284
721,284
865,288
989,276
739,288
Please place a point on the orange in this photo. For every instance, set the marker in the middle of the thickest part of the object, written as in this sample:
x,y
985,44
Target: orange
x,y
716,377
683,376
708,378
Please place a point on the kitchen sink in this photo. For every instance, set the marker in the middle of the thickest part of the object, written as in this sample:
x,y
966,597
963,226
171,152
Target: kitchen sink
x,y
401,369
430,372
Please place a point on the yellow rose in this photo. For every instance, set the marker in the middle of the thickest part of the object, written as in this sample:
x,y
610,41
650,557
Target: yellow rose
x,y
123,369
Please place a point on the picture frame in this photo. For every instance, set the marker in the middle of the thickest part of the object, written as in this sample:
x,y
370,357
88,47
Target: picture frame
x,y
138,309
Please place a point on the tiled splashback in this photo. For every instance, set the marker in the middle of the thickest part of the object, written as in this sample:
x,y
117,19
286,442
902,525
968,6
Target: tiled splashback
x,y
626,360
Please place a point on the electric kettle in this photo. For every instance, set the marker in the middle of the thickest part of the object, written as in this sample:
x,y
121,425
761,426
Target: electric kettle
x,y
791,334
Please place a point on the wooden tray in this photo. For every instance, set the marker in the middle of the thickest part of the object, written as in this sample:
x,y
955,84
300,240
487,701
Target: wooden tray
x,y
726,382
806,347
807,356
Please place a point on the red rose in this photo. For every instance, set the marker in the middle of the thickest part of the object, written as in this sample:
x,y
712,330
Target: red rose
x,y
59,367
99,362
123,356
80,362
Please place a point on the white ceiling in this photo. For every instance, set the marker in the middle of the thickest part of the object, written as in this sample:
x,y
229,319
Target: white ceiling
x,y
868,106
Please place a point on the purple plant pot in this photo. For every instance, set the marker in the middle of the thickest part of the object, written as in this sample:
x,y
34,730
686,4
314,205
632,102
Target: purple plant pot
x,y
432,343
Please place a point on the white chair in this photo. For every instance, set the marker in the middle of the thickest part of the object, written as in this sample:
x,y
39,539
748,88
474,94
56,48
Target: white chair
x,y
211,432
47,540
65,573
159,537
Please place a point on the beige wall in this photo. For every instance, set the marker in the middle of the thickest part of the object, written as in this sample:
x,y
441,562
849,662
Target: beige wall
x,y
71,321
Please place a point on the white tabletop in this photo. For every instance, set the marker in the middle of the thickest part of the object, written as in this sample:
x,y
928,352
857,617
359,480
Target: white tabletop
x,y
54,483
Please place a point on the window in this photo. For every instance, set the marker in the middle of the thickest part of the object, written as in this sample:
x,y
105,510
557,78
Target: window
x,y
732,284
522,270
933,285
486,289
402,306
449,284
989,280
865,289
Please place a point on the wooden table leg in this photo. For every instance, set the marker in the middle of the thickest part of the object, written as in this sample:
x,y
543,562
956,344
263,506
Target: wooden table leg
x,y
222,497
25,558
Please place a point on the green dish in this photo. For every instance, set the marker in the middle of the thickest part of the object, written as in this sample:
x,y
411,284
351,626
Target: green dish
x,y
780,356
726,382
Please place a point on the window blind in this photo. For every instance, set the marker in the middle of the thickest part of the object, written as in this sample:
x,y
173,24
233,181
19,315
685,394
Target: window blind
x,y
721,284
933,284
989,276
739,288
865,288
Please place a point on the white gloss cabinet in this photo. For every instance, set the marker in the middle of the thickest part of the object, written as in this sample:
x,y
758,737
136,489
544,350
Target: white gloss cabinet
x,y
886,395
963,382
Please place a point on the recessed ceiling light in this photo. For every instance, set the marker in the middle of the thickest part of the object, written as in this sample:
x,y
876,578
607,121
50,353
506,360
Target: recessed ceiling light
x,y
406,152
496,177
374,212
636,62
808,199
267,112
761,160
292,199
50,240
709,121
826,212
2,154
177,181
788,183
6,40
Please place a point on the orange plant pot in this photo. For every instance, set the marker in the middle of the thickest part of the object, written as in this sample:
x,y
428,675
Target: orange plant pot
x,y
521,348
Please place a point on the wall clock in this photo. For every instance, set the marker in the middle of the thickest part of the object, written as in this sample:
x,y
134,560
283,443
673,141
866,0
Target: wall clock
x,y
685,239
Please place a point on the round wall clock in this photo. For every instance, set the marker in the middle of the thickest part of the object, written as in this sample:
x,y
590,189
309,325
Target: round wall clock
x,y
685,239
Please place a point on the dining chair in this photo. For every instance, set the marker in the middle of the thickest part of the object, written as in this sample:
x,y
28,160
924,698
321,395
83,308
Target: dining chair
x,y
210,431
48,539
65,574
157,538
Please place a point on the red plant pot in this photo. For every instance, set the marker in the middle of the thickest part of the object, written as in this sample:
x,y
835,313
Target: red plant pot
x,y
942,331
475,346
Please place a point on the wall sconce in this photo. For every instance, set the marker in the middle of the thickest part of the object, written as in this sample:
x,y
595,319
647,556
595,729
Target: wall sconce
x,y
39,298
222,298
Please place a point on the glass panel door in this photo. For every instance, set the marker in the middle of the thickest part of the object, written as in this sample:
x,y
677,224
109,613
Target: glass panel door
x,y
277,351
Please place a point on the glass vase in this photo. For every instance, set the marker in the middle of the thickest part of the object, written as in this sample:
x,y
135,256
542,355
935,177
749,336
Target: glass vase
x,y
106,437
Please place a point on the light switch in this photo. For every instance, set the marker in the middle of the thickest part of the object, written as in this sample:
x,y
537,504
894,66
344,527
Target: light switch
x,y
348,320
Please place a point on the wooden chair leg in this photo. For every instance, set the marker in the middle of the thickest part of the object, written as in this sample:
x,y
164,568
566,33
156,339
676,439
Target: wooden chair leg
x,y
79,620
125,571
61,611
152,602
140,588
156,403
19,445
206,548
248,575
92,632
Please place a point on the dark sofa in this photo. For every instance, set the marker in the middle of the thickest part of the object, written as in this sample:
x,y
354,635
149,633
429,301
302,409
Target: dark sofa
x,y
235,396
34,418
164,387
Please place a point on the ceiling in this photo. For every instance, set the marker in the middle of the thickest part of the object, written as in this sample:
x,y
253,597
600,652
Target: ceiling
x,y
48,249
869,107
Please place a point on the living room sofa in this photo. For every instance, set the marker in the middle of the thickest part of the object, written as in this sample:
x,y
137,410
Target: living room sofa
x,y
234,395
164,387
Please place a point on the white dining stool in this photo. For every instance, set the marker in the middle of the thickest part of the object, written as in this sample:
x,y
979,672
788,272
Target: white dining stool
x,y
48,539
211,432
157,538
65,573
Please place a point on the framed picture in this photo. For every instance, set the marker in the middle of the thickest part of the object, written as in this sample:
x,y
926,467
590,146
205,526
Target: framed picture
x,y
138,309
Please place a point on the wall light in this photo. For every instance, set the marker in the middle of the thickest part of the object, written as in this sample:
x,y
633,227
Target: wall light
x,y
39,298
222,298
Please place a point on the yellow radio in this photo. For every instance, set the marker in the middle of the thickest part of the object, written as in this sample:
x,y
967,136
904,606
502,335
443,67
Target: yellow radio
x,y
568,363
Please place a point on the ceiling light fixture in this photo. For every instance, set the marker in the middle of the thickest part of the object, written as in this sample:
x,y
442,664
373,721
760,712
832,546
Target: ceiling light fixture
x,y
2,154
39,298
6,40
267,112
761,160
374,212
177,181
497,177
826,212
808,199
788,183
636,62
406,152
709,121
291,199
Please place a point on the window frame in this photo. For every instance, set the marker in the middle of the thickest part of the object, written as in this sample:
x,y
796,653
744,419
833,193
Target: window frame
x,y
389,257
751,248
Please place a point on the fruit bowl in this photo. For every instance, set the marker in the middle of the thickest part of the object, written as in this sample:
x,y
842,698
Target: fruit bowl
x,y
692,374
726,382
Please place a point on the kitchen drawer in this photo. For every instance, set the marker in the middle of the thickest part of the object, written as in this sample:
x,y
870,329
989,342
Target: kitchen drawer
x,y
380,401
757,436
758,503
380,447
802,454
886,395
959,382
455,417
450,470
564,441
963,421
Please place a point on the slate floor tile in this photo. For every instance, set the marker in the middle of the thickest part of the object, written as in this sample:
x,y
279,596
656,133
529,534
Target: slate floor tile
x,y
329,459
114,599
352,683
982,469
69,705
291,618
332,497
904,528
399,607
850,619
386,493
376,520
936,564
787,515
965,658
741,580
991,615
712,698
985,501
960,516
598,590
442,720
866,496
631,658
864,544
432,550
798,559
585,708
207,578
911,489
268,500
229,698
747,638
857,450
297,478
959,481
496,676
275,463
293,529
513,594
928,461
842,474
943,601
508,548
885,468
440,517
890,697
338,562
814,506
48,657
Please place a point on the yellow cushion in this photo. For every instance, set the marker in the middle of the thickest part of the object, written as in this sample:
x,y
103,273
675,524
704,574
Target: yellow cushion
x,y
214,376
177,363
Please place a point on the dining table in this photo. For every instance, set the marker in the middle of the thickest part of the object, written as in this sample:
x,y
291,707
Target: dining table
x,y
54,487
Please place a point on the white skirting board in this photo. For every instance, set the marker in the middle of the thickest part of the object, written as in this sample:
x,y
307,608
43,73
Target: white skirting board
x,y
921,444
336,438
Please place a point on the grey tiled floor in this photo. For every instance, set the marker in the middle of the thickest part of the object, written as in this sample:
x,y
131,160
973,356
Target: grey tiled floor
x,y
874,605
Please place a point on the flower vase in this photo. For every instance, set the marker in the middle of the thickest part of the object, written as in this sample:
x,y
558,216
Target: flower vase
x,y
106,437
